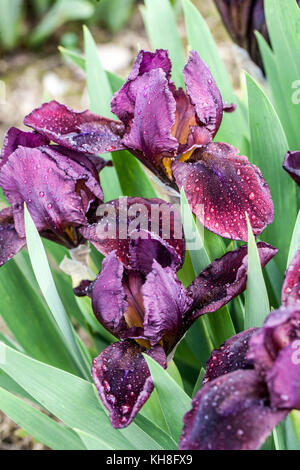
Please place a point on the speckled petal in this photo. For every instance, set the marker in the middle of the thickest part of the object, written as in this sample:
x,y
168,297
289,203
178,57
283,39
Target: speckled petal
x,y
224,279
166,302
290,294
154,116
292,165
230,413
15,137
123,102
116,228
221,186
10,242
229,357
81,131
204,93
123,379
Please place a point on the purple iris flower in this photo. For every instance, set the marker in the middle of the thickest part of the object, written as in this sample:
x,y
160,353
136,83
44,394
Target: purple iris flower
x,y
171,130
139,299
242,18
292,165
252,382
59,186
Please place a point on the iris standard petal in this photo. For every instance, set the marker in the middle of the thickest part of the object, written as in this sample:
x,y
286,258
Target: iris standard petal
x,y
221,186
109,296
120,221
123,380
230,413
123,102
224,279
166,302
81,131
154,115
204,93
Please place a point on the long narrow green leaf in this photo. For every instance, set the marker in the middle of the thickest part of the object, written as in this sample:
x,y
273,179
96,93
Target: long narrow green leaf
x,y
283,21
75,402
257,302
68,397
268,148
173,400
29,320
40,426
160,23
45,280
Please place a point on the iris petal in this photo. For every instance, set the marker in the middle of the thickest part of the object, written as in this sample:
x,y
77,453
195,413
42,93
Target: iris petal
x,y
204,93
166,302
123,102
10,242
154,115
224,279
292,165
221,186
123,379
81,131
229,357
290,294
117,230
230,413
15,137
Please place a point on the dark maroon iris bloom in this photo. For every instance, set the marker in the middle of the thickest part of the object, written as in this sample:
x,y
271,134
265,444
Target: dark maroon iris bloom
x,y
292,165
59,186
139,299
242,18
171,130
252,382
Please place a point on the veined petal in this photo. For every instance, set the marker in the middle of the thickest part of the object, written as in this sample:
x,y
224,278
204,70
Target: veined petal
x,y
123,102
230,413
10,242
229,357
154,115
15,137
204,93
221,186
166,302
123,380
292,165
290,294
81,131
122,220
224,279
